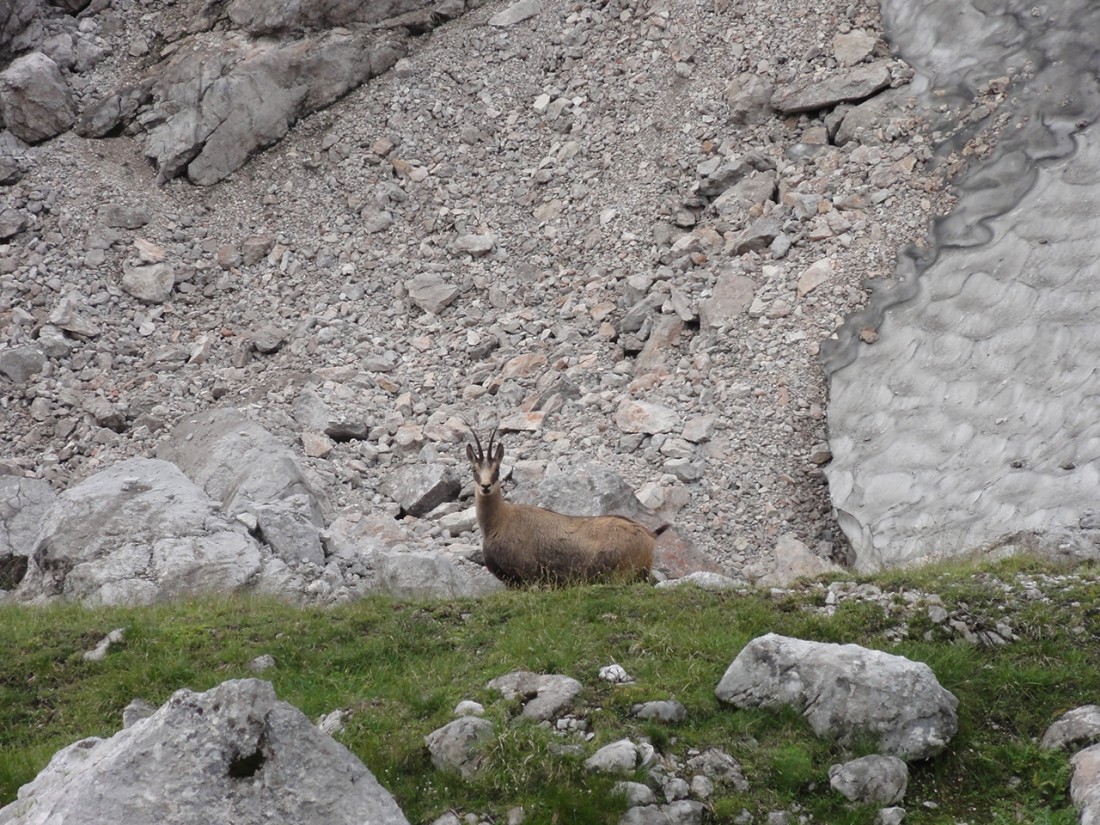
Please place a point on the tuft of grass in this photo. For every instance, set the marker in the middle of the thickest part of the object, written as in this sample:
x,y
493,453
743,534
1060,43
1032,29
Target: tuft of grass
x,y
400,667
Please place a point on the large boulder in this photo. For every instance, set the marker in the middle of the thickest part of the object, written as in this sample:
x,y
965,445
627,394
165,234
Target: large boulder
x,y
846,692
232,754
585,489
221,101
244,467
136,533
35,101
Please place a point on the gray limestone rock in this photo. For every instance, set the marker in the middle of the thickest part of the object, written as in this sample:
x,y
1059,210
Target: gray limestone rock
x,y
756,237
645,417
262,17
123,216
846,692
420,488
1075,729
12,222
732,296
1084,784
619,757
544,696
585,488
794,560
871,780
232,754
854,46
848,84
754,189
458,745
635,793
422,575
239,463
867,122
69,316
680,812
21,364
431,293
720,768
663,710
24,502
35,101
110,114
220,102
150,283
516,13
286,526
136,533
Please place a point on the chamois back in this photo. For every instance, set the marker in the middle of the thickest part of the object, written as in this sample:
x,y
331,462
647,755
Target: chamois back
x,y
523,544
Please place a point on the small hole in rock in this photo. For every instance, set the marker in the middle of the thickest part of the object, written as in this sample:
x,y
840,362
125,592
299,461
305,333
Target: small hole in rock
x,y
243,767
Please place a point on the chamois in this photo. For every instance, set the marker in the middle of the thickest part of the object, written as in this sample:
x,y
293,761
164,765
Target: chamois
x,y
523,544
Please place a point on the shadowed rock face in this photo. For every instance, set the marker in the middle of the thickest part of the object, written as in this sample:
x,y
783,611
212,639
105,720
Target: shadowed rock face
x,y
969,418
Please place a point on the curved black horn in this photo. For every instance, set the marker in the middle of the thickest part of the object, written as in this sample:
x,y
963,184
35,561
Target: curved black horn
x,y
480,452
492,437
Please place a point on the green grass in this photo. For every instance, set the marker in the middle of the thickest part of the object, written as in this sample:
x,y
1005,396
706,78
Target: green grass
x,y
402,667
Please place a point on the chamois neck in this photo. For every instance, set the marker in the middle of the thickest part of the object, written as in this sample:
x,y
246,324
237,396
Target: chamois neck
x,y
489,508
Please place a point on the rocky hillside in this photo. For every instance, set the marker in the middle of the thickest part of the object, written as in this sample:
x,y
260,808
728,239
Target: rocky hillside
x,y
619,231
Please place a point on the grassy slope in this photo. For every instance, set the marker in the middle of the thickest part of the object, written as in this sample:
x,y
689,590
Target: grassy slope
x,y
401,668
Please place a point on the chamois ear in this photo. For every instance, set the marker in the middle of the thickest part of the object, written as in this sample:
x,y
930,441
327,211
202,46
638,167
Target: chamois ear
x,y
470,453
499,457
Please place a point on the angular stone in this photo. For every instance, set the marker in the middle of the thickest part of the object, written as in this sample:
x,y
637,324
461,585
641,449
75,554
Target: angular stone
x,y
67,316
24,502
853,47
420,488
676,556
700,428
118,216
1084,784
754,190
756,237
794,560
151,283
239,463
516,13
544,696
523,366
645,417
420,575
21,364
814,276
719,767
221,101
35,101
585,488
731,297
474,244
849,84
431,293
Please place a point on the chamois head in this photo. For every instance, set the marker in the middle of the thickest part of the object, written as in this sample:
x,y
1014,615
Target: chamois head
x,y
486,466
